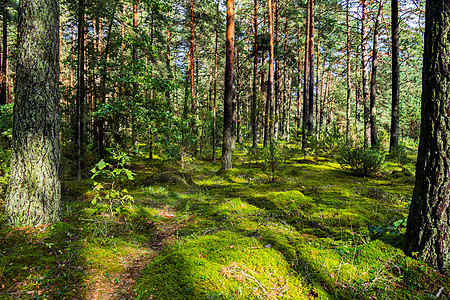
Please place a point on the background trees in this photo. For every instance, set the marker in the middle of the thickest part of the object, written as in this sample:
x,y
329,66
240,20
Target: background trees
x,y
173,54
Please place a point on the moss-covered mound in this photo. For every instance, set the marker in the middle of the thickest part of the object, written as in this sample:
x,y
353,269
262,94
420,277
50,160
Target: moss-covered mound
x,y
225,265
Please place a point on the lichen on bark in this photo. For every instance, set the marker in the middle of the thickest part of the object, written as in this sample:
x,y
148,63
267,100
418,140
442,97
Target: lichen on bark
x,y
428,232
34,190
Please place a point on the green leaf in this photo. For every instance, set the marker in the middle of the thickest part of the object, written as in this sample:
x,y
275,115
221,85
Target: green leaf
x,y
400,222
129,174
101,164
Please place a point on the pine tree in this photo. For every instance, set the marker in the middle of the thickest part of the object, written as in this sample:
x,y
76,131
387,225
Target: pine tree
x,y
428,229
34,186
229,90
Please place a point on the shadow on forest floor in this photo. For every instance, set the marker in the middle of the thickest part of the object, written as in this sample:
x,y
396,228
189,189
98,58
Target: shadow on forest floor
x,y
316,232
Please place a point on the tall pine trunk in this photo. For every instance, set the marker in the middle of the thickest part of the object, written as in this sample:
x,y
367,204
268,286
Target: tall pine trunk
x,y
191,57
215,87
229,89
284,115
299,83
4,66
373,80
308,92
365,75
309,123
349,79
307,72
81,87
428,228
34,191
255,76
276,92
395,112
270,83
101,121
269,132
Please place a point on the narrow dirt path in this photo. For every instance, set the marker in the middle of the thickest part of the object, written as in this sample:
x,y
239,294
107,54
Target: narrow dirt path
x,y
119,286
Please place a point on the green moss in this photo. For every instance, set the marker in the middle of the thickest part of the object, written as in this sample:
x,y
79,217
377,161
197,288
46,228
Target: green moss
x,y
225,264
231,236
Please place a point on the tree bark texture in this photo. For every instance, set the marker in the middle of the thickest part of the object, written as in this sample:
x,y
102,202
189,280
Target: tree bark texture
x,y
365,74
135,56
308,92
81,87
284,116
101,121
299,85
428,229
4,67
270,83
349,78
255,76
191,57
373,80
34,186
276,92
309,123
395,113
229,89
215,86
306,79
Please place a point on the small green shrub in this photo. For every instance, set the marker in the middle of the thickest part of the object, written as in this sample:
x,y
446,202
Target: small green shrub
x,y
399,155
272,158
360,161
327,145
114,196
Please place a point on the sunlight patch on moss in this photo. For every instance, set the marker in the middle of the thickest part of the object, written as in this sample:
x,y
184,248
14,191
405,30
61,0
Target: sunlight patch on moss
x,y
224,265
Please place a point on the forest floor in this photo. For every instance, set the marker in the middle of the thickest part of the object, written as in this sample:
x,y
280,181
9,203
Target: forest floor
x,y
307,231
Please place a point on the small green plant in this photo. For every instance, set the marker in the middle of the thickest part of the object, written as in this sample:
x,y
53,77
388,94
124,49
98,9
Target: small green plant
x,y
253,153
272,159
360,161
328,145
5,157
286,152
115,173
399,155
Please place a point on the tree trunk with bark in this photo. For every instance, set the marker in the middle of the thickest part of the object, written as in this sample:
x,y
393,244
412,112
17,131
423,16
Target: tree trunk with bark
x,y
229,89
34,191
299,84
4,66
307,72
365,75
373,80
270,83
284,116
101,121
269,131
428,229
395,113
191,57
276,92
349,79
309,123
215,87
81,87
308,91
255,76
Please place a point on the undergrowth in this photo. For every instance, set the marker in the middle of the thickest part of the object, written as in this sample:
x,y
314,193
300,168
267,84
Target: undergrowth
x,y
278,226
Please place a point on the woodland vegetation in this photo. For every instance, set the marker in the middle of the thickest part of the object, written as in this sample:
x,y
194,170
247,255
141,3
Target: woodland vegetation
x,y
166,149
